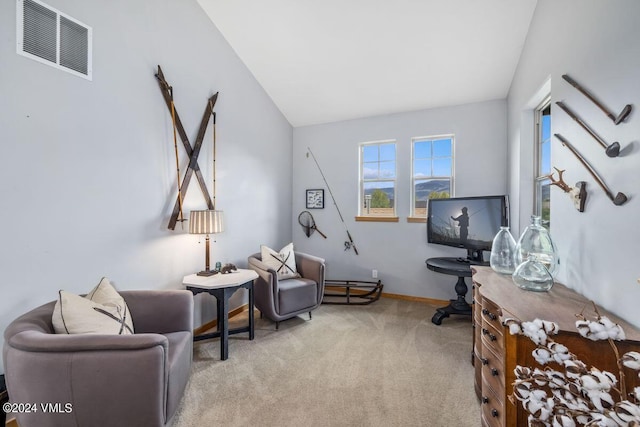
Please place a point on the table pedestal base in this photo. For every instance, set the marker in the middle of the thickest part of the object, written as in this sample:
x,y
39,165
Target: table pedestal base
x,y
456,306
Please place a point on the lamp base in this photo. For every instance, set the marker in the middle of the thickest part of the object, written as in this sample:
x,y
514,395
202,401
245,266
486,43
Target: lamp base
x,y
207,273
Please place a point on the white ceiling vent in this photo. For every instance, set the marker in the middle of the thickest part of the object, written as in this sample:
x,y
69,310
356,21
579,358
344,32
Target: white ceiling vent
x,y
51,37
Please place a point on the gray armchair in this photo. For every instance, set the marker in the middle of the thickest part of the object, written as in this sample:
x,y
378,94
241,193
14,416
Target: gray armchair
x,y
283,299
109,380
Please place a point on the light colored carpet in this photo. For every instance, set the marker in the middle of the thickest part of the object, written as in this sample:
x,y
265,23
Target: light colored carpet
x,y
384,364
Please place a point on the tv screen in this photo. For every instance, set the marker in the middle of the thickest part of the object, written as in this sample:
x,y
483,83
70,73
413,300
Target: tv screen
x,y
466,222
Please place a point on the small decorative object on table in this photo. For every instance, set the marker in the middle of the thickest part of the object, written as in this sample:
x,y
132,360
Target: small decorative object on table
x,y
577,394
536,241
502,250
532,275
228,268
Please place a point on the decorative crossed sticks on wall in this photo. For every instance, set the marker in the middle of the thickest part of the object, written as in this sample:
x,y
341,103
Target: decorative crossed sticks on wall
x,y
193,153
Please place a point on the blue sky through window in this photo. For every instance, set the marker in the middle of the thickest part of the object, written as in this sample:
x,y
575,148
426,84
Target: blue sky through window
x,y
379,161
545,149
432,158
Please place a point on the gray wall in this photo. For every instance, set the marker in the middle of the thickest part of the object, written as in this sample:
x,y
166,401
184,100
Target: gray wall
x,y
397,250
88,170
595,42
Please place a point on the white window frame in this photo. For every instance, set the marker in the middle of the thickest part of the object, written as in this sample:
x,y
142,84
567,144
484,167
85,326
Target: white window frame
x,y
540,178
413,178
362,213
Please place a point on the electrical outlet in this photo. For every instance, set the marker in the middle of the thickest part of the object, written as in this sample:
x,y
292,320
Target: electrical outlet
x,y
374,274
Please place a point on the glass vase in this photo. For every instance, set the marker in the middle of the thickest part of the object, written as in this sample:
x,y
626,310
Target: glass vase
x,y
532,275
503,249
535,240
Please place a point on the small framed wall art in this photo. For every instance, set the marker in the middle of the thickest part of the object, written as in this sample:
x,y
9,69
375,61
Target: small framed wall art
x,y
315,199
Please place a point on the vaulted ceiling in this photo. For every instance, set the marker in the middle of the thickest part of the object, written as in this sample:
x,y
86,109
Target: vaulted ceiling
x,y
332,60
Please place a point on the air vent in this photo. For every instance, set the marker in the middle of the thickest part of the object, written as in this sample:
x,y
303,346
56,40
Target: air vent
x,y
51,37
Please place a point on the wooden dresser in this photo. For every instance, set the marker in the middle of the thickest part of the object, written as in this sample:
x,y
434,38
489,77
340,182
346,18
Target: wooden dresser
x,y
496,353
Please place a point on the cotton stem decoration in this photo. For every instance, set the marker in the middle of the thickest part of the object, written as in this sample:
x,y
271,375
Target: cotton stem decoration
x,y
575,394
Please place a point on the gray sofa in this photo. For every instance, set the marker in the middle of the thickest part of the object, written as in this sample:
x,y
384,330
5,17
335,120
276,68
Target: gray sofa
x,y
109,380
283,299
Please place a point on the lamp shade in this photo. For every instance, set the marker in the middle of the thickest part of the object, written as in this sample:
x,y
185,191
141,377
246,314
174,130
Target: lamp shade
x,y
206,222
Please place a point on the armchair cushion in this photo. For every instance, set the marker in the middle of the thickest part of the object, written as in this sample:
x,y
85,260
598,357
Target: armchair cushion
x,y
297,294
283,262
101,311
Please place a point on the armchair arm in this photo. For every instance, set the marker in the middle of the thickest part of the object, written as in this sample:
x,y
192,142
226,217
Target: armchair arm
x,y
36,341
310,267
160,311
266,273
265,286
104,385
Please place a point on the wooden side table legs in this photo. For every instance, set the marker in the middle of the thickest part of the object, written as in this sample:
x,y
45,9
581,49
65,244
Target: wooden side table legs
x,y
456,306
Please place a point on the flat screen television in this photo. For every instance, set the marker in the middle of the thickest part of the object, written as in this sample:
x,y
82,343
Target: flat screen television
x,y
466,222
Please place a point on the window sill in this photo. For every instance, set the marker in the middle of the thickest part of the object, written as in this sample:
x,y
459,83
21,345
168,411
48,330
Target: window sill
x,y
377,218
418,219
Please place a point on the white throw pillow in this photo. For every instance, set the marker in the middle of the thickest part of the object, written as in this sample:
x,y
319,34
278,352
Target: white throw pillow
x,y
283,262
101,311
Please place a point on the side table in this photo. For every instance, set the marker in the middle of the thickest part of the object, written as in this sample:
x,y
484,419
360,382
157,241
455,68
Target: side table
x,y
222,286
455,267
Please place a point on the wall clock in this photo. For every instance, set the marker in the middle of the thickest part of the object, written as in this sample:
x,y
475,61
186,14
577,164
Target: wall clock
x,y
315,199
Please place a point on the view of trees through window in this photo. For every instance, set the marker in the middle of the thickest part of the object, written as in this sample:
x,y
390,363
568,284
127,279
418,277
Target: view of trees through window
x,y
378,179
431,175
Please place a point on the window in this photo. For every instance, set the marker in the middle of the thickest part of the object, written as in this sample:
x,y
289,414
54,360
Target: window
x,y
432,171
542,191
378,181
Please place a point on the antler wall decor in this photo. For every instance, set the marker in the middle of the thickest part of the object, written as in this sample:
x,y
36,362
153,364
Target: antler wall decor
x,y
578,193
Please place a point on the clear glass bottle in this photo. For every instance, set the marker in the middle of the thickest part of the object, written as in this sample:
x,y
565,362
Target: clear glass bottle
x,y
532,275
503,249
535,240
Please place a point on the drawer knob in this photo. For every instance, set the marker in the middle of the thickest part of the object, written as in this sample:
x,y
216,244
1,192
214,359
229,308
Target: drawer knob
x,y
485,361
494,413
492,337
489,314
494,372
485,399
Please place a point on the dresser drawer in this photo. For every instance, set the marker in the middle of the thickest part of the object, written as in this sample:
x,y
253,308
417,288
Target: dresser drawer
x,y
493,372
491,313
492,407
492,337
